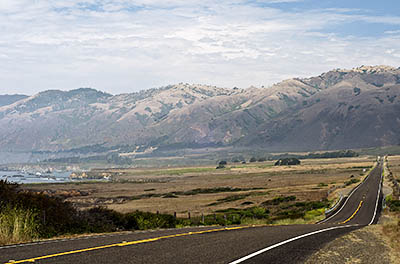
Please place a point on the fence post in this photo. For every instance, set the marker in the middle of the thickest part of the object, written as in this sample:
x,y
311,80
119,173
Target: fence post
x,y
175,215
188,215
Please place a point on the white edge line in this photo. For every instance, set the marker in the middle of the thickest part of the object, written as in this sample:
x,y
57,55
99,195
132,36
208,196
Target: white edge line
x,y
336,205
285,242
377,198
345,202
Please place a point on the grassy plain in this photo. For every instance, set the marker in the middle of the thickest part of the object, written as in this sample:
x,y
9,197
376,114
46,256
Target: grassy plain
x,y
205,190
394,165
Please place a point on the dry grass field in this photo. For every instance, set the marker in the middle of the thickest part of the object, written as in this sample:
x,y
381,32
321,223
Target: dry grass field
x,y
394,164
206,190
390,223
393,175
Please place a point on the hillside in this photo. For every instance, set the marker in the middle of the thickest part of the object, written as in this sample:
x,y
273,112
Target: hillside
x,y
8,99
56,120
338,109
357,108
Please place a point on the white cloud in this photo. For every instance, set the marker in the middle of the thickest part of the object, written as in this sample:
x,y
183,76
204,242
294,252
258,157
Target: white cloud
x,y
122,46
392,32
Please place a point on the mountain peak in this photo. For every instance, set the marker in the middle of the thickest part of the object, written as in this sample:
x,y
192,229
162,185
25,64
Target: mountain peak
x,y
74,92
208,90
372,69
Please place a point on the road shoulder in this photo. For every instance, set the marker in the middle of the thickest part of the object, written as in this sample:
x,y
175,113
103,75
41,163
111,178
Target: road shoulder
x,y
366,245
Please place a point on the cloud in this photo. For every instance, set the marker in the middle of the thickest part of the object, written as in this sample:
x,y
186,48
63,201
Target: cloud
x,y
392,32
123,46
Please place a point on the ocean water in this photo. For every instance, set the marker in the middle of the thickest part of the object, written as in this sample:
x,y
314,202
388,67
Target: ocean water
x,y
25,177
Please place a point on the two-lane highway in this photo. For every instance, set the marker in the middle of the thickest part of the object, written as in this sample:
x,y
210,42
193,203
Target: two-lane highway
x,y
242,244
363,202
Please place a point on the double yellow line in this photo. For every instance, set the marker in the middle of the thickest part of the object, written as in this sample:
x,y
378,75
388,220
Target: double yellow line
x,y
123,244
354,214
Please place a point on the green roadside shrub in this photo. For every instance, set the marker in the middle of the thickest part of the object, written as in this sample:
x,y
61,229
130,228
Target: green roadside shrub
x,y
18,225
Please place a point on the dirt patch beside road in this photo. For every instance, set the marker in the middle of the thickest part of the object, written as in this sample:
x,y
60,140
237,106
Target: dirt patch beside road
x,y
367,245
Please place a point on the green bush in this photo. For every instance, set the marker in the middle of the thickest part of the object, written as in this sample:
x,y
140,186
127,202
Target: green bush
x,y
394,205
25,216
287,161
259,212
309,215
18,225
251,212
350,182
99,219
146,220
54,215
279,200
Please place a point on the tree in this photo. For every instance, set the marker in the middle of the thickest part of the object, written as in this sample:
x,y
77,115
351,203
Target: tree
x,y
287,161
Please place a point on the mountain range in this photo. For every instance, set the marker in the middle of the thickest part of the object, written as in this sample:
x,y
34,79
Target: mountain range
x,y
339,109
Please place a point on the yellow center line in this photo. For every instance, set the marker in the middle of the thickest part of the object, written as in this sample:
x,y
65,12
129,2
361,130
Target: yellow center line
x,y
355,212
123,244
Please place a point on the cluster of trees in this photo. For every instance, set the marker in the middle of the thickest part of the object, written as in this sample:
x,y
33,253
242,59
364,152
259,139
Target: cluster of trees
x,y
222,164
287,161
333,154
254,159
322,155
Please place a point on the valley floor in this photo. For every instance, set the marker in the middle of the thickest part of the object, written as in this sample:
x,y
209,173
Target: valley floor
x,y
206,190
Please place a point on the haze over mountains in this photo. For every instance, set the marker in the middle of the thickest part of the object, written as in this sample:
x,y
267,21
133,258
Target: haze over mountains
x,y
339,109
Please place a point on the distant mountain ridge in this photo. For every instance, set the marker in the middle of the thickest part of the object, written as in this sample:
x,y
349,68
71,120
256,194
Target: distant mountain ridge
x,y
8,99
335,110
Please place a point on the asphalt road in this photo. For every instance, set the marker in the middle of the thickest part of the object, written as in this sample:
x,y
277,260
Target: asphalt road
x,y
242,244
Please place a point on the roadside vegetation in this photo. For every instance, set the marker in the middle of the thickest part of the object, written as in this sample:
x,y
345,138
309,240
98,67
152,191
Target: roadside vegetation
x,y
391,225
27,216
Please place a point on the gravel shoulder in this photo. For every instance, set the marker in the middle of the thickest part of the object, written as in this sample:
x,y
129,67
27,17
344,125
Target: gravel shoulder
x,y
368,245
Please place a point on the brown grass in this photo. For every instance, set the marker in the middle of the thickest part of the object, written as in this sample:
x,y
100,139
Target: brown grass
x,y
391,220
308,182
392,230
390,233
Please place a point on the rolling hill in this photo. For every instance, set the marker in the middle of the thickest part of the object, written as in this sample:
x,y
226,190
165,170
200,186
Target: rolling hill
x,y
338,109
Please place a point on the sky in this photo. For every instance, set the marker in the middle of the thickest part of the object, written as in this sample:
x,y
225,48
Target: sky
x,y
122,46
